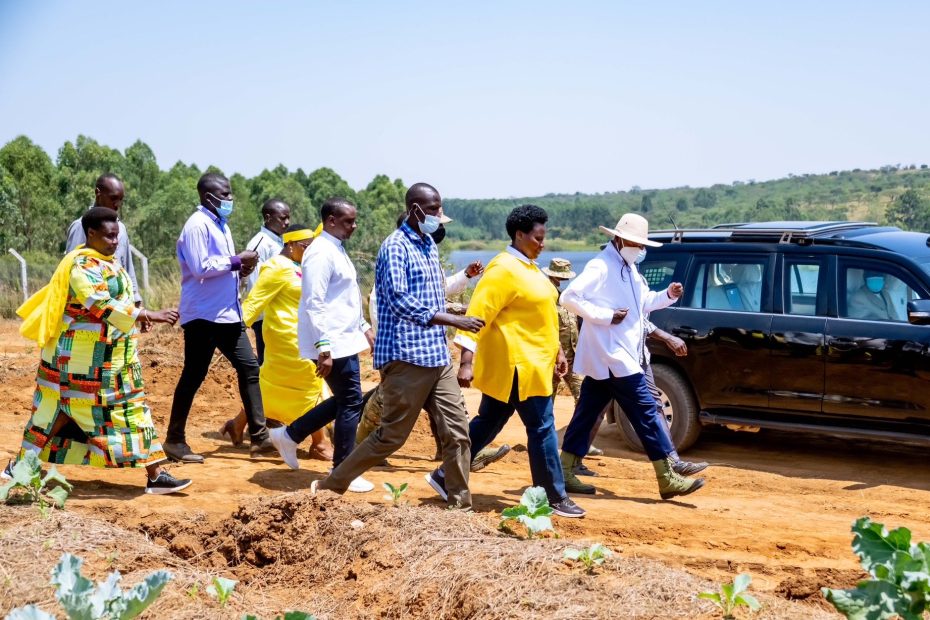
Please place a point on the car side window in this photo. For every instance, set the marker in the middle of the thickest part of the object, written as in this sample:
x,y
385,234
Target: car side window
x,y
658,273
875,292
733,286
803,282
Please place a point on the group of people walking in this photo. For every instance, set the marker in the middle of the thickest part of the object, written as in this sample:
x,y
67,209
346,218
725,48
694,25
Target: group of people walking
x,y
297,288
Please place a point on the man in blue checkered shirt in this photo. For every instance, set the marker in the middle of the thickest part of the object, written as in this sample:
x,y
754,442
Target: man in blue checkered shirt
x,y
412,353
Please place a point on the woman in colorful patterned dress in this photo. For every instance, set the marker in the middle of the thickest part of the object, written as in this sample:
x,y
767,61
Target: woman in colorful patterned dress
x,y
89,404
289,384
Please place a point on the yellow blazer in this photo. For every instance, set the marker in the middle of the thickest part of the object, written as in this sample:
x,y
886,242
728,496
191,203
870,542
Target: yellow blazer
x,y
521,333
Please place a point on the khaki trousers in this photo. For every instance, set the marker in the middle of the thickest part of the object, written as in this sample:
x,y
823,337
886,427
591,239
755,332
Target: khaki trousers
x,y
406,389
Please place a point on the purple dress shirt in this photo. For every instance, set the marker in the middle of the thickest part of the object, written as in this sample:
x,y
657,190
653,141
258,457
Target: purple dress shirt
x,y
209,270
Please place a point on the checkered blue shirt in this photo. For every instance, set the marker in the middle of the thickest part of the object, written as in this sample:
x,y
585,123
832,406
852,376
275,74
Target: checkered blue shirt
x,y
410,288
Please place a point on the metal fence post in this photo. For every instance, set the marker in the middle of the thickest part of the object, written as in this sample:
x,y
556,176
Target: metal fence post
x,y
22,270
145,266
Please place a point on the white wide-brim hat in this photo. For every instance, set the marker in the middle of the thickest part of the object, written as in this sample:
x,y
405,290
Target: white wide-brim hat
x,y
633,228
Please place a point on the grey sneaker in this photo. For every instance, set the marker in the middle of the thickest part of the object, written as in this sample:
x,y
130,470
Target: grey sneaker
x,y
487,456
687,468
567,508
164,483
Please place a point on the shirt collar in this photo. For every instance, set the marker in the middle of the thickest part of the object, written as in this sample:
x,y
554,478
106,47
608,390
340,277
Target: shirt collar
x,y
211,215
519,255
273,235
332,239
414,235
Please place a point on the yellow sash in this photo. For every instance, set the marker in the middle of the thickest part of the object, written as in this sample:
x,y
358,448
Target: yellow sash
x,y
42,313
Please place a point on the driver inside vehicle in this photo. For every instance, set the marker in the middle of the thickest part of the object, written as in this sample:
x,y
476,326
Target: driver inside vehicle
x,y
872,300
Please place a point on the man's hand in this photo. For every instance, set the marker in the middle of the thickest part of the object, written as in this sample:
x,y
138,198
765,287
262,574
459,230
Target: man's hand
x,y
677,345
561,364
474,269
324,365
619,315
370,337
466,374
467,323
676,290
249,259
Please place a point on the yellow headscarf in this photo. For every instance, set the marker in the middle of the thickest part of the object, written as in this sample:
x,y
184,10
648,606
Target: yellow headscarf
x,y
42,313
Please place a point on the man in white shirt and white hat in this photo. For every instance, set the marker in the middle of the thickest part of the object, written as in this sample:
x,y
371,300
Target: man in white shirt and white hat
x,y
614,300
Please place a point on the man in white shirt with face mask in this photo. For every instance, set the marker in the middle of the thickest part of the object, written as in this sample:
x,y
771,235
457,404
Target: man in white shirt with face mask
x,y
613,299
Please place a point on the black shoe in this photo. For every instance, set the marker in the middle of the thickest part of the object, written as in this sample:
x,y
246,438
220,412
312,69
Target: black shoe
x,y
686,468
165,483
567,508
582,470
438,482
7,473
486,457
265,447
181,452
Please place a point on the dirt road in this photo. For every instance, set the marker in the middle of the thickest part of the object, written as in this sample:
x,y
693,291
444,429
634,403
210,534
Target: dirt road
x,y
775,505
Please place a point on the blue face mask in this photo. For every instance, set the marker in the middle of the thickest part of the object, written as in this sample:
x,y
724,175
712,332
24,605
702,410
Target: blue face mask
x,y
430,223
875,283
225,209
641,257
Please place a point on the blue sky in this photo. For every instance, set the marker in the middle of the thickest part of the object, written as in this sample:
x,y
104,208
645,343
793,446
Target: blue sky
x,y
479,99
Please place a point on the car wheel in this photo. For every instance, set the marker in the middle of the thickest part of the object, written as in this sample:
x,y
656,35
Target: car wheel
x,y
679,408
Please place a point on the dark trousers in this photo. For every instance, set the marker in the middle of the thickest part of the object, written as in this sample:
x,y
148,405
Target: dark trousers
x,y
637,402
542,443
657,395
201,339
344,408
259,341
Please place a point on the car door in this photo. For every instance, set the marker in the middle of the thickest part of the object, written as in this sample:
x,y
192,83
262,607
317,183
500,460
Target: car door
x,y
797,363
877,364
725,319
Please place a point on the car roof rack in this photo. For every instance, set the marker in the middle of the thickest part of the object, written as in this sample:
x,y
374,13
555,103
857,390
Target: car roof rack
x,y
785,232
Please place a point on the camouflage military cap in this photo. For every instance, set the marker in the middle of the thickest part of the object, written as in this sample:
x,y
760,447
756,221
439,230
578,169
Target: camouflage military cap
x,y
560,268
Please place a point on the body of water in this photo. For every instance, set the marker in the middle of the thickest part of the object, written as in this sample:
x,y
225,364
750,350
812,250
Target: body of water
x,y
461,258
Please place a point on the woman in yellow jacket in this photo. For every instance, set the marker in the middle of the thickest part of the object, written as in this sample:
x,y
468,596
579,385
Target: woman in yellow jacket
x,y
516,354
289,384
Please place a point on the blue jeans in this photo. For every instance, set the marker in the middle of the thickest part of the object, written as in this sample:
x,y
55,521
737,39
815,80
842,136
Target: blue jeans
x,y
633,395
344,408
542,443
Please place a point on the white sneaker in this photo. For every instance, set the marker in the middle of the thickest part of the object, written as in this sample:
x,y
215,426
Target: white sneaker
x,y
360,485
314,487
285,446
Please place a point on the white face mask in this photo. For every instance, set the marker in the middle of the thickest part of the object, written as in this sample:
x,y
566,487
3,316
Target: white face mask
x,y
629,254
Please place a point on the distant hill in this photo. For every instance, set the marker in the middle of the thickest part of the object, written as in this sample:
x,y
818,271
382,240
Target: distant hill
x,y
892,194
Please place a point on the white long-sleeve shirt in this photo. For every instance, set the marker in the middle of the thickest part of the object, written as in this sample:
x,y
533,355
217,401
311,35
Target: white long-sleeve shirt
x,y
330,318
455,284
608,283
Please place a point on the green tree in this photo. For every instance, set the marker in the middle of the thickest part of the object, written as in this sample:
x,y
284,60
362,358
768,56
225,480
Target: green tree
x,y
705,199
681,204
909,211
79,165
645,205
35,218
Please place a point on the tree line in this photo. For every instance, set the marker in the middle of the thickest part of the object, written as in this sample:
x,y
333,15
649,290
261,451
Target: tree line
x,y
40,196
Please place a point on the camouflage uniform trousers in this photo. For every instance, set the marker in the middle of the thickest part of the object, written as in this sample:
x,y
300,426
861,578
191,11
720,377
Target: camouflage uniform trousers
x,y
571,379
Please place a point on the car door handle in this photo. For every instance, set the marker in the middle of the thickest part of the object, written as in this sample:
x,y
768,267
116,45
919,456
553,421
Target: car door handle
x,y
842,344
685,331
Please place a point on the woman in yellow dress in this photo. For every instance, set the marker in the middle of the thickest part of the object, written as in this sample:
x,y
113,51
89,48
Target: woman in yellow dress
x,y
289,384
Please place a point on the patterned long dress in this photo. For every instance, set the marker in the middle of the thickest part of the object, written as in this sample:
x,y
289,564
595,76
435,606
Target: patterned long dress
x,y
89,389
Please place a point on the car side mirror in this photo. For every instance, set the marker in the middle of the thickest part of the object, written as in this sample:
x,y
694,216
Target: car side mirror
x,y
918,312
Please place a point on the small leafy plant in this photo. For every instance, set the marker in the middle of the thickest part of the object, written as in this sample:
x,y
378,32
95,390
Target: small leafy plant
x,y
733,595
222,589
31,487
591,557
395,492
80,598
533,512
900,570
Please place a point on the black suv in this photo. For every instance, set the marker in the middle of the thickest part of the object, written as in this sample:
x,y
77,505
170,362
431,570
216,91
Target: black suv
x,y
802,326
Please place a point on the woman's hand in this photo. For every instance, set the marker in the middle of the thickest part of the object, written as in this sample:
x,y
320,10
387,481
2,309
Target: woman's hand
x,y
169,316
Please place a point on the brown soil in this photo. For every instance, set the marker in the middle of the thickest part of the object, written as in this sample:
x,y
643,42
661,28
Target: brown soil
x,y
775,505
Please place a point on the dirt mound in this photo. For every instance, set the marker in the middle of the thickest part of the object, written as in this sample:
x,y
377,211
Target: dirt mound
x,y
362,561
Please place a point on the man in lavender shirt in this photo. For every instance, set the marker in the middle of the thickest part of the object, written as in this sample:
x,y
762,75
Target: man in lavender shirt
x,y
211,316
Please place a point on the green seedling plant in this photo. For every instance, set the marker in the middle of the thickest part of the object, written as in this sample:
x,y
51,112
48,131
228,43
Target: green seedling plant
x,y
591,557
900,571
733,595
81,599
290,615
29,486
533,512
221,589
395,493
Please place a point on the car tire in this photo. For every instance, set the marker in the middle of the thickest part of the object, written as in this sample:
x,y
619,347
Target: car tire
x,y
680,403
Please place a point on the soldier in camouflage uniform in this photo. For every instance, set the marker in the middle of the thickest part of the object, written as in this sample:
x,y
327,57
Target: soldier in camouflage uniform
x,y
560,270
